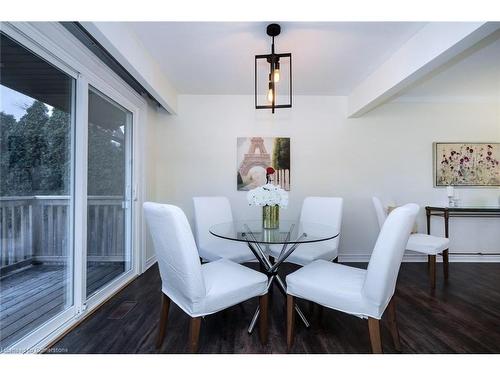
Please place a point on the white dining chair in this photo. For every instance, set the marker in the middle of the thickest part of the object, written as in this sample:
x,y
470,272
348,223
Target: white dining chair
x,y
363,293
318,210
199,290
209,211
421,243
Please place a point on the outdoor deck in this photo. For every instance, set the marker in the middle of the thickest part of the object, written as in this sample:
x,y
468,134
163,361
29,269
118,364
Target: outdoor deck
x,y
32,295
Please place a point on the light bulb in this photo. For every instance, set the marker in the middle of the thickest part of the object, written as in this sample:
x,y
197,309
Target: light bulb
x,y
276,76
270,95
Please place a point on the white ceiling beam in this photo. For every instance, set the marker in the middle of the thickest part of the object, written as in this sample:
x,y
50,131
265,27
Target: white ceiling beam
x,y
119,40
431,47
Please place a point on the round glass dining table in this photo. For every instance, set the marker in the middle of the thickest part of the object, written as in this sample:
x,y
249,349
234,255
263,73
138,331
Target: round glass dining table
x,y
289,235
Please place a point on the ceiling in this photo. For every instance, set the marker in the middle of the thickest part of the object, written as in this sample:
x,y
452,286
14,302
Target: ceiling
x,y
19,66
218,57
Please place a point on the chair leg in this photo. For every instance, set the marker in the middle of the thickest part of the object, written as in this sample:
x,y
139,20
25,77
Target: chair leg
x,y
432,270
320,312
393,325
165,305
311,308
194,334
290,320
446,263
374,330
263,316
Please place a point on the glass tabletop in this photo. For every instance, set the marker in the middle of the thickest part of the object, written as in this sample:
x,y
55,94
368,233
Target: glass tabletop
x,y
289,232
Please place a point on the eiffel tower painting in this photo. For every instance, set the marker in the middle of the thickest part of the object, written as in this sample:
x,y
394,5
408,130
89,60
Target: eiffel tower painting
x,y
255,154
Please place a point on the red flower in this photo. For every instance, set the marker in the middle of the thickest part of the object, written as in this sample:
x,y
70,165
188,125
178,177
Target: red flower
x,y
270,170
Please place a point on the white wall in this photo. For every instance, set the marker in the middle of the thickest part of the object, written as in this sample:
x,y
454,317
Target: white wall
x,y
388,153
154,122
126,48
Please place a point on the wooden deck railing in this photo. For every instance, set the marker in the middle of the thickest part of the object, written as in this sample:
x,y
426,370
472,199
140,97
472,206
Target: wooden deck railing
x,y
37,227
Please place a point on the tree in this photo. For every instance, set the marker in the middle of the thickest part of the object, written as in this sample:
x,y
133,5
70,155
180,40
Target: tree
x,y
35,155
56,161
7,124
106,168
25,147
281,153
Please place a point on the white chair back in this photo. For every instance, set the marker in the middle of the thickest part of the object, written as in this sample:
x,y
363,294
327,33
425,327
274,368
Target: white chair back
x,y
176,252
380,211
323,210
209,211
383,268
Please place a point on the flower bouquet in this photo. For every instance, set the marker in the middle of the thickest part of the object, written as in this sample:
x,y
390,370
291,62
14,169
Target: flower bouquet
x,y
270,197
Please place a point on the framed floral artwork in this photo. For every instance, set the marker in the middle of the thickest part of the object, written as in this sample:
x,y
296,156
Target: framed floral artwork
x,y
466,164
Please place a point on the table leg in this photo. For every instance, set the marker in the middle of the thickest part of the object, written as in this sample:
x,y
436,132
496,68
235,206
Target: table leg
x,y
446,223
271,270
445,252
282,287
254,320
428,215
446,264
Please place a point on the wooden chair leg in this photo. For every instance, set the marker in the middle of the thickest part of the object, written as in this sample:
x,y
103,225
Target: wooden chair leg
x,y
194,334
165,305
446,264
290,320
320,312
311,308
432,270
374,330
393,325
263,316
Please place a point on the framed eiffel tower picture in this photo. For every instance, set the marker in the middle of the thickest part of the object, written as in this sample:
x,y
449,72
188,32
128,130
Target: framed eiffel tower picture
x,y
255,154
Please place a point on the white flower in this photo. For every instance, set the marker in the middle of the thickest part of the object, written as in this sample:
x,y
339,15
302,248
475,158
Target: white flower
x,y
268,195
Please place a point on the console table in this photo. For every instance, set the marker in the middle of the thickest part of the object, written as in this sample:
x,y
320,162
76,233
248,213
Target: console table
x,y
464,211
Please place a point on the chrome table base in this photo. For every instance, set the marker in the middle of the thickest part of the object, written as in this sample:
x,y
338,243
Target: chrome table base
x,y
272,271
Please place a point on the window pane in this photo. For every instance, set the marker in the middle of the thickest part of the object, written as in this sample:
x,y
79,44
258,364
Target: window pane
x,y
108,250
35,191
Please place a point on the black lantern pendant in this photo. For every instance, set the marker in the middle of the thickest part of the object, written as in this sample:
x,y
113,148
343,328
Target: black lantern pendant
x,y
277,92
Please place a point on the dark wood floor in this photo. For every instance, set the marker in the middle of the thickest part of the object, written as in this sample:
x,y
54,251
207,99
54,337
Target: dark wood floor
x,y
460,317
34,294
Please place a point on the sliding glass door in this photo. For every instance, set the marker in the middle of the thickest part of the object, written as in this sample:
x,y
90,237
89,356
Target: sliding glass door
x,y
108,191
36,195
66,228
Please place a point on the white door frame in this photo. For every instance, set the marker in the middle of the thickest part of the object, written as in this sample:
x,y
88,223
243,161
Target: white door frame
x,y
54,43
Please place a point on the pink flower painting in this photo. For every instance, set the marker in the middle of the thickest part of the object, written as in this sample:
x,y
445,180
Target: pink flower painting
x,y
467,164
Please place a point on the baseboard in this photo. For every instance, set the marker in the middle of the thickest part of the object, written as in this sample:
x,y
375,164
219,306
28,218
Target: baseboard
x,y
149,262
410,257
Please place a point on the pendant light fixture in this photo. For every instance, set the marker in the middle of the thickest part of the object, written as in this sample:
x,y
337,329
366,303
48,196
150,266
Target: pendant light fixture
x,y
276,70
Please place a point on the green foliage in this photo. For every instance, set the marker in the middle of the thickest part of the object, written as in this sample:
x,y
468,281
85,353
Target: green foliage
x,y
35,155
281,153
106,169
24,152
